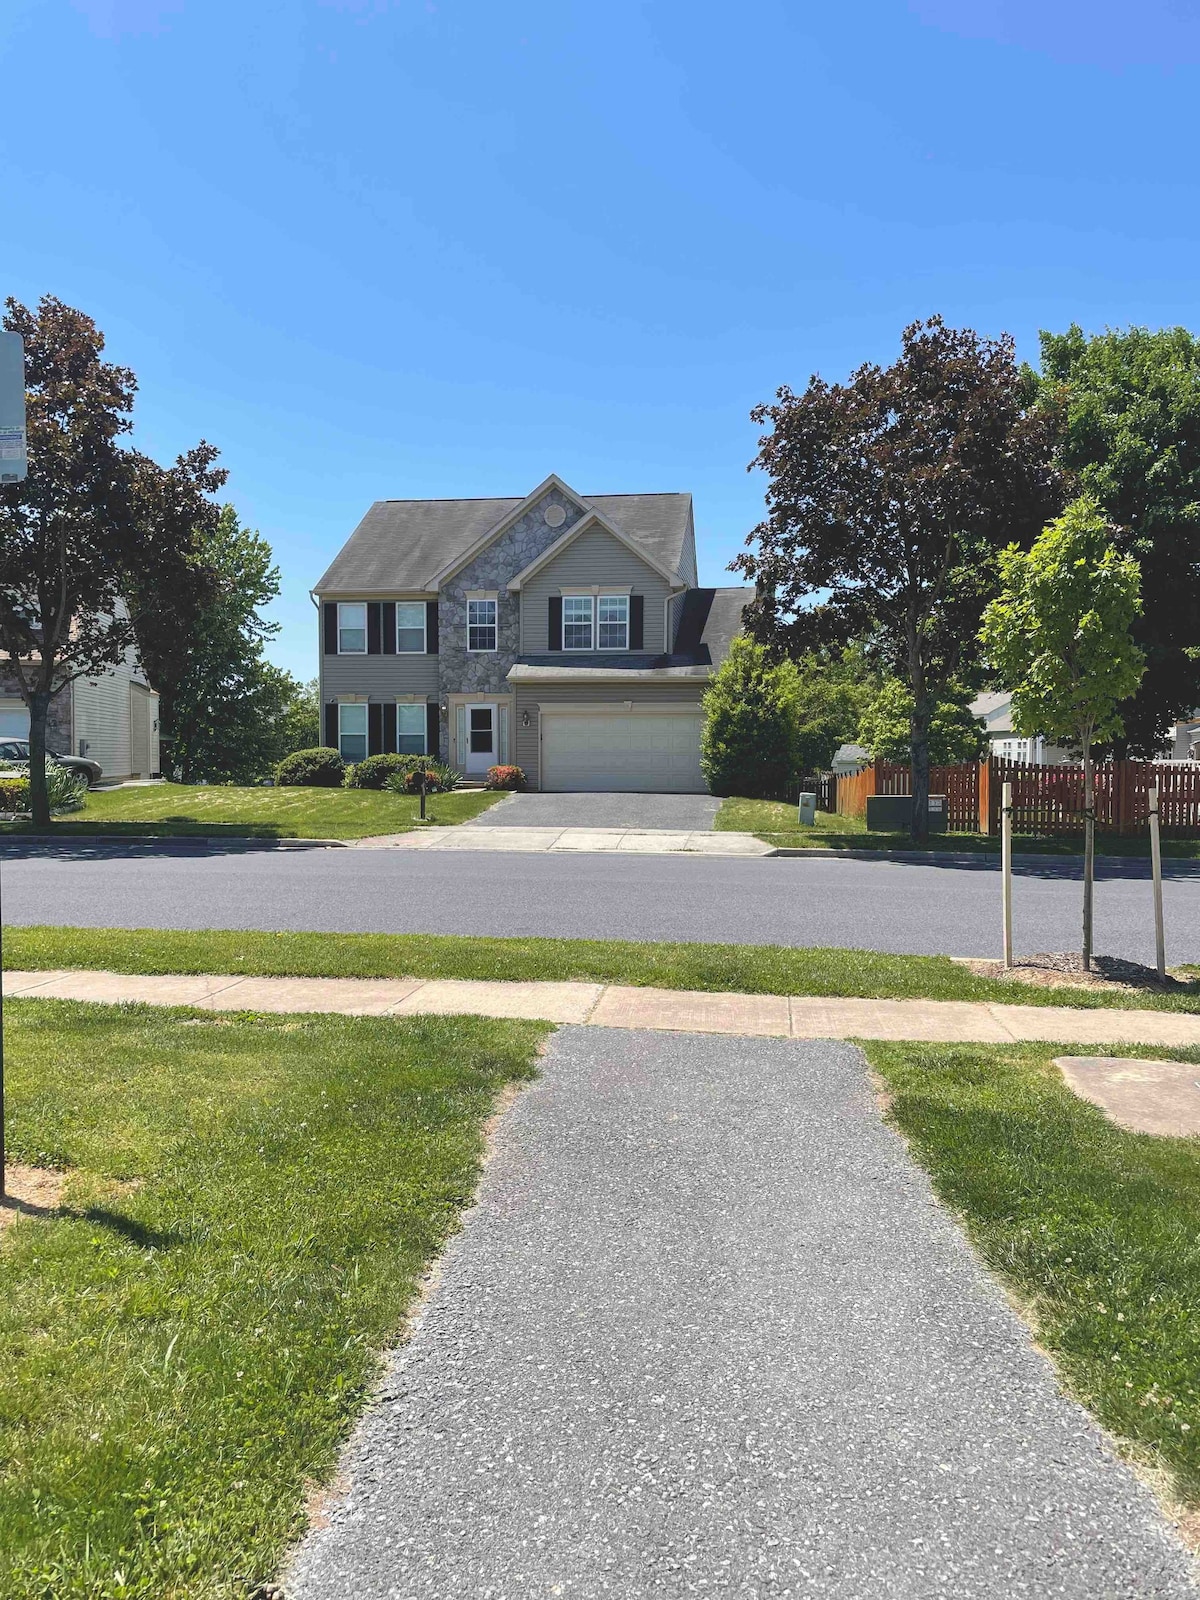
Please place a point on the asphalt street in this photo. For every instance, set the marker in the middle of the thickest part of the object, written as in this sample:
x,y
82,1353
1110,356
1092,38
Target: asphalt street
x,y
706,1332
880,905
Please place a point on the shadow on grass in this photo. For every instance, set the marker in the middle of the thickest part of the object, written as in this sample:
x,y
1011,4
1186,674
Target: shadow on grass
x,y
136,1233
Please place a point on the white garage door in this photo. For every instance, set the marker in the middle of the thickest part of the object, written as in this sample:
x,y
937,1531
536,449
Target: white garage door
x,y
14,720
646,751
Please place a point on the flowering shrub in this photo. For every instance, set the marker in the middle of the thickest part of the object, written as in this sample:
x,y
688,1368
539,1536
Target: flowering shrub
x,y
505,778
438,779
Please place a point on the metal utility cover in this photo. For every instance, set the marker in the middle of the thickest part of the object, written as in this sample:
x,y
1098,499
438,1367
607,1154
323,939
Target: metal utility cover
x,y
14,460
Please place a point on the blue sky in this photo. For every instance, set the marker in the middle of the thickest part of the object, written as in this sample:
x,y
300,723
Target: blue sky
x,y
379,248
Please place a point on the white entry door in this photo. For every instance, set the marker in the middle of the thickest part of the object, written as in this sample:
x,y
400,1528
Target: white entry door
x,y
624,751
481,738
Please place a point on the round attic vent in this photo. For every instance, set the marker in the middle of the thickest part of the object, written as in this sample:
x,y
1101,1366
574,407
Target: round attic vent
x,y
555,516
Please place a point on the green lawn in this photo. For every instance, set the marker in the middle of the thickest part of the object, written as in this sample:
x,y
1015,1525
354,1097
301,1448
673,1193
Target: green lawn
x,y
249,1206
748,969
1096,1230
291,813
775,823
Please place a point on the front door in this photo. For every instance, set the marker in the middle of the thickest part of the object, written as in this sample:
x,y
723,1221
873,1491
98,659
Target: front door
x,y
481,739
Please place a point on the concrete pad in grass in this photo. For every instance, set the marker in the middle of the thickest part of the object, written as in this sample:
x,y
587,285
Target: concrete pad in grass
x,y
1160,1097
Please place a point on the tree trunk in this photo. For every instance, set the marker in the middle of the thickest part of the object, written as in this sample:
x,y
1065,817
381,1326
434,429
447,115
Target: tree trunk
x,y
39,800
1089,851
919,769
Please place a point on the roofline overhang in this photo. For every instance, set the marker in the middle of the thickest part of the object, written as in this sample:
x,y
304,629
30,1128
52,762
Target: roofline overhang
x,y
521,672
505,522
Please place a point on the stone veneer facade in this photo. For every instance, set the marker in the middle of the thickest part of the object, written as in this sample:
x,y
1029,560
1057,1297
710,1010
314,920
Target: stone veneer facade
x,y
486,673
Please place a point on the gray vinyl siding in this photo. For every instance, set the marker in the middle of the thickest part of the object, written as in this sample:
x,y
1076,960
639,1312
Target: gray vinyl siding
x,y
379,676
531,697
673,614
594,558
101,715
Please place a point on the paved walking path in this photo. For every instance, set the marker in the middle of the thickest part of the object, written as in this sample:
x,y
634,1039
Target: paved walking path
x,y
536,841
616,1006
705,1333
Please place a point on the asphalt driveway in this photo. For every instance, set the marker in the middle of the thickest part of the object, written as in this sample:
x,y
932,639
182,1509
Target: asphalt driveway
x,y
707,1332
679,812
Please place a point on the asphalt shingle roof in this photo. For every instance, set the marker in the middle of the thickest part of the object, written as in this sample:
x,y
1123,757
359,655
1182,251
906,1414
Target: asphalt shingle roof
x,y
404,544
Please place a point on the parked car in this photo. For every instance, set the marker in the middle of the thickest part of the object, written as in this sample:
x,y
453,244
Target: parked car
x,y
18,750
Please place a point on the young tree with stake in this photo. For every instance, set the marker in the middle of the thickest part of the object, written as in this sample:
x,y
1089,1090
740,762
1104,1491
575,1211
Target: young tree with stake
x,y
1059,637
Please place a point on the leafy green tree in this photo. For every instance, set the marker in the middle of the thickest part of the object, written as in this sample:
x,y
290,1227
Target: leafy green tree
x,y
1130,404
1060,637
836,686
225,709
92,517
302,719
751,740
888,499
885,728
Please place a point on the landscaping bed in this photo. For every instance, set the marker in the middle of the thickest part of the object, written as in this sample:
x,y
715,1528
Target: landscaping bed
x,y
745,969
248,1204
1094,1230
263,813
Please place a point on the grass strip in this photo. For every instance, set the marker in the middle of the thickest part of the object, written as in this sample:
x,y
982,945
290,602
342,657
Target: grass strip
x,y
1095,1229
249,1207
187,810
775,823
745,969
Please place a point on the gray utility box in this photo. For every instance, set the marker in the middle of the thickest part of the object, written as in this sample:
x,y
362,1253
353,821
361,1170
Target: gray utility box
x,y
808,810
892,813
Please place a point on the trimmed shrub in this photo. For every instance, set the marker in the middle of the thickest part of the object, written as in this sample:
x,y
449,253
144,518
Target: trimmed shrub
x,y
504,778
374,772
751,740
319,768
14,791
438,779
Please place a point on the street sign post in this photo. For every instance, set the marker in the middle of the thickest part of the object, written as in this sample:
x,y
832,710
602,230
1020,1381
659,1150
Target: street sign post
x,y
14,455
14,463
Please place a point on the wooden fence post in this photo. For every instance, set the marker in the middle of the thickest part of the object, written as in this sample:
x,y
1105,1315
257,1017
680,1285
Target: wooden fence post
x,y
985,795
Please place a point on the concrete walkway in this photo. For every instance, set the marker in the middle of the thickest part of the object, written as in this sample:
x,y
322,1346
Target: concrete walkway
x,y
617,1006
707,1333
641,841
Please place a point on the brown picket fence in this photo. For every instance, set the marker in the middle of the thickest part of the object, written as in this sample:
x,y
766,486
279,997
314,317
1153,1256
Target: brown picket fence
x,y
1046,799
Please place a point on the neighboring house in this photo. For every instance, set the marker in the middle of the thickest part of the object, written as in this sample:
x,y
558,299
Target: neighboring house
x,y
995,711
849,758
112,719
1184,741
564,633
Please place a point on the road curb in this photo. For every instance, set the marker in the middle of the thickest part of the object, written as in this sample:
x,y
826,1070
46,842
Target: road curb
x,y
973,858
248,841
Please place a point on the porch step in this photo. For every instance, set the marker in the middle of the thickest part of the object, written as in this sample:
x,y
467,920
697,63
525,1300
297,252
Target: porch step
x,y
469,783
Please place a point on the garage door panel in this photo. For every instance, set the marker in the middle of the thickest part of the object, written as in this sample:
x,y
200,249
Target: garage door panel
x,y
623,751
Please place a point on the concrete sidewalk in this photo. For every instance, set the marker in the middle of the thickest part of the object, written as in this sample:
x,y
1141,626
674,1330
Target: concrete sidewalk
x,y
618,1006
637,841
706,1332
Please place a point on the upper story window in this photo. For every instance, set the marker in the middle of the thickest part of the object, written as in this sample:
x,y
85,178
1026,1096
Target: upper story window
x,y
577,621
612,622
481,624
410,628
352,629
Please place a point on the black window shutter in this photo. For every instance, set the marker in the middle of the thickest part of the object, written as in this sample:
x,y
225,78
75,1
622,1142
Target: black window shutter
x,y
331,628
374,643
431,628
388,625
375,728
433,729
331,726
637,621
389,727
554,623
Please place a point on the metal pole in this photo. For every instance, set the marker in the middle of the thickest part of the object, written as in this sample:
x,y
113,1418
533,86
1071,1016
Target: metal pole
x,y
1160,953
422,796
1006,868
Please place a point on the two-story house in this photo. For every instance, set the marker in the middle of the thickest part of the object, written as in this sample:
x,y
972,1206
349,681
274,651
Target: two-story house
x,y
561,632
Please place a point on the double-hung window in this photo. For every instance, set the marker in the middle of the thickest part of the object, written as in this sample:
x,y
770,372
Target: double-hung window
x,y
352,732
352,629
410,629
612,622
577,621
410,728
481,624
